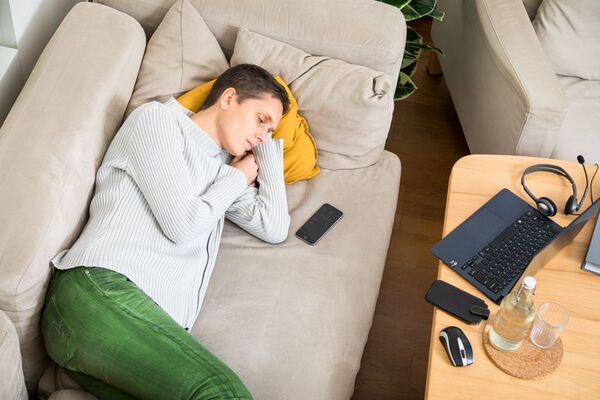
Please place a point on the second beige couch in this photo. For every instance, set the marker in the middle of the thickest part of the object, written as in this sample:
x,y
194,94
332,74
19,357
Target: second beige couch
x,y
507,96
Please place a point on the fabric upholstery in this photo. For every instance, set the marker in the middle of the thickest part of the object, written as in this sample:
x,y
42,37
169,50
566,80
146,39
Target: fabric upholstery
x,y
511,102
11,372
531,6
55,378
298,316
299,148
569,32
579,132
149,13
51,144
49,156
181,55
349,107
363,32
70,394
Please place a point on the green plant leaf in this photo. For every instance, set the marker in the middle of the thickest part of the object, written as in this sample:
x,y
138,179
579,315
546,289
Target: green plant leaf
x,y
407,61
412,50
417,9
396,3
413,36
409,69
405,87
437,14
413,46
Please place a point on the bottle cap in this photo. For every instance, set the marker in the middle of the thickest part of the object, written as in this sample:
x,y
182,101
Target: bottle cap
x,y
529,282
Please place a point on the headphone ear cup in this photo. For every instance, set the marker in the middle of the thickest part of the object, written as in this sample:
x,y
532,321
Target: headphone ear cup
x,y
546,206
571,205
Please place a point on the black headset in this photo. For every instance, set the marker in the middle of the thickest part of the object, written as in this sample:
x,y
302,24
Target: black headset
x,y
544,204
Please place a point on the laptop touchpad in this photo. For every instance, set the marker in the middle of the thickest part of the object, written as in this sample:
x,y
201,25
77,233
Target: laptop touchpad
x,y
484,226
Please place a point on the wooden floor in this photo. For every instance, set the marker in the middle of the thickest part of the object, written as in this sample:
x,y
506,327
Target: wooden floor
x,y
427,136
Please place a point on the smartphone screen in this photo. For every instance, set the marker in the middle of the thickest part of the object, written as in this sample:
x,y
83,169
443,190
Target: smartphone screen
x,y
319,223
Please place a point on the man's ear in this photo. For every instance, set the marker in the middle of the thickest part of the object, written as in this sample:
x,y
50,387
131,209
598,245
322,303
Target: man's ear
x,y
227,98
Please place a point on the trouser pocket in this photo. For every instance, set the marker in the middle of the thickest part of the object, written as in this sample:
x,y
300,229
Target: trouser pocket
x,y
58,339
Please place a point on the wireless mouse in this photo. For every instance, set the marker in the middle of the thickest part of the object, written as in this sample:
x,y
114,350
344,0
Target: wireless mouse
x,y
457,346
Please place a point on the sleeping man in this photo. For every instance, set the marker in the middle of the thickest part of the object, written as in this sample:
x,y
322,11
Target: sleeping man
x,y
123,298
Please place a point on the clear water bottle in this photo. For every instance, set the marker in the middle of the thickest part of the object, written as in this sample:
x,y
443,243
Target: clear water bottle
x,y
513,319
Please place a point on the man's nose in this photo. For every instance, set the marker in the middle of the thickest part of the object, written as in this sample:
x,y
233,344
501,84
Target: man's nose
x,y
262,135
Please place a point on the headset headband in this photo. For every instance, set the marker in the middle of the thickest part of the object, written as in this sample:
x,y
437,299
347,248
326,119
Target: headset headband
x,y
547,168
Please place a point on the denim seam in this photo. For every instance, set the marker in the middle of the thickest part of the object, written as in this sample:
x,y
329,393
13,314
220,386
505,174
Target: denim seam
x,y
64,331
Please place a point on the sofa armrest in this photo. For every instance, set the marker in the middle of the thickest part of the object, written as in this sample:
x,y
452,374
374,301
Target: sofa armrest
x,y
51,144
506,95
11,371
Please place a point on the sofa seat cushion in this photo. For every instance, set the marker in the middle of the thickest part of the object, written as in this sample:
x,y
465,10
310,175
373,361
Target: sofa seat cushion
x,y
579,132
292,319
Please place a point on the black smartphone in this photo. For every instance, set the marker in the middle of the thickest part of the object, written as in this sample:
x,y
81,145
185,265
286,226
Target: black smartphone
x,y
319,223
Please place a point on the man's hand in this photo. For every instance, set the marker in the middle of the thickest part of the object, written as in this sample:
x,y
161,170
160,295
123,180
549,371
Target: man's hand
x,y
247,165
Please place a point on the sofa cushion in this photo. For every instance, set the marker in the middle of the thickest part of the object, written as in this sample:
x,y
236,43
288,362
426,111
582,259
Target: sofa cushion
x,y
11,372
531,6
52,142
298,316
579,133
299,148
364,32
55,378
72,395
569,32
349,107
181,55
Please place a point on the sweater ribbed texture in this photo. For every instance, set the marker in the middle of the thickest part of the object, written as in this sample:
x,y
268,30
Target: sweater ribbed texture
x,y
161,195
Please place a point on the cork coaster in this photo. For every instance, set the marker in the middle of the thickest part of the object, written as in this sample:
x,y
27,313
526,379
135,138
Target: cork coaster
x,y
528,362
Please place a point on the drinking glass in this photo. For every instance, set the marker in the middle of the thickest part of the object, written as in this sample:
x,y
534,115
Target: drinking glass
x,y
549,322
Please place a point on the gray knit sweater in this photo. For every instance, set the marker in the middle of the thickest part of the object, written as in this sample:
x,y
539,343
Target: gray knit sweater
x,y
161,195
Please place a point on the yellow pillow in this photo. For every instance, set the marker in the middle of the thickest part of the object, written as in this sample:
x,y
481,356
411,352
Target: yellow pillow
x,y
299,148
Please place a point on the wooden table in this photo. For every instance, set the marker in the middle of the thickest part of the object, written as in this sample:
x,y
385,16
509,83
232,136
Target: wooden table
x,y
473,181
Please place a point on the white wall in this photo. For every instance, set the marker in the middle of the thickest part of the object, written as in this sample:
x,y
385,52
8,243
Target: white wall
x,y
7,31
26,25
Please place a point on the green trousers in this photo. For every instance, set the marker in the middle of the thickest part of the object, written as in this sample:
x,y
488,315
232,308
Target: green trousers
x,y
119,344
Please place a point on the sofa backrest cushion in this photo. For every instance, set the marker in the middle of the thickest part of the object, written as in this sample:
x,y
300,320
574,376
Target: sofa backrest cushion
x,y
569,32
349,107
181,54
363,32
51,144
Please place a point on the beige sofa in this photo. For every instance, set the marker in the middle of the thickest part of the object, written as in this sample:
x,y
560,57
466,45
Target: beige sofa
x,y
508,98
292,320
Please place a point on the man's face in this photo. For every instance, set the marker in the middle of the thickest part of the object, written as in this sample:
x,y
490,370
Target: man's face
x,y
247,124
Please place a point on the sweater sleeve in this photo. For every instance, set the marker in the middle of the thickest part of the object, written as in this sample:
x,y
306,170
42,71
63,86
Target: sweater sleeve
x,y
263,212
156,163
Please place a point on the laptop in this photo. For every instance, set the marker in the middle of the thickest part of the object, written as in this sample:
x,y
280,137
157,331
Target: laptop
x,y
505,240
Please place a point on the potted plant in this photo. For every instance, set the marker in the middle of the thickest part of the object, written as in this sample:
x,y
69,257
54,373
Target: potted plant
x,y
413,10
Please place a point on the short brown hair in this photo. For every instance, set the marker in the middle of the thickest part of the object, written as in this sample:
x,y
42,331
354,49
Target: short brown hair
x,y
250,82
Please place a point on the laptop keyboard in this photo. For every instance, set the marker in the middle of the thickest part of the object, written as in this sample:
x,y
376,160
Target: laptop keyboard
x,y
504,258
